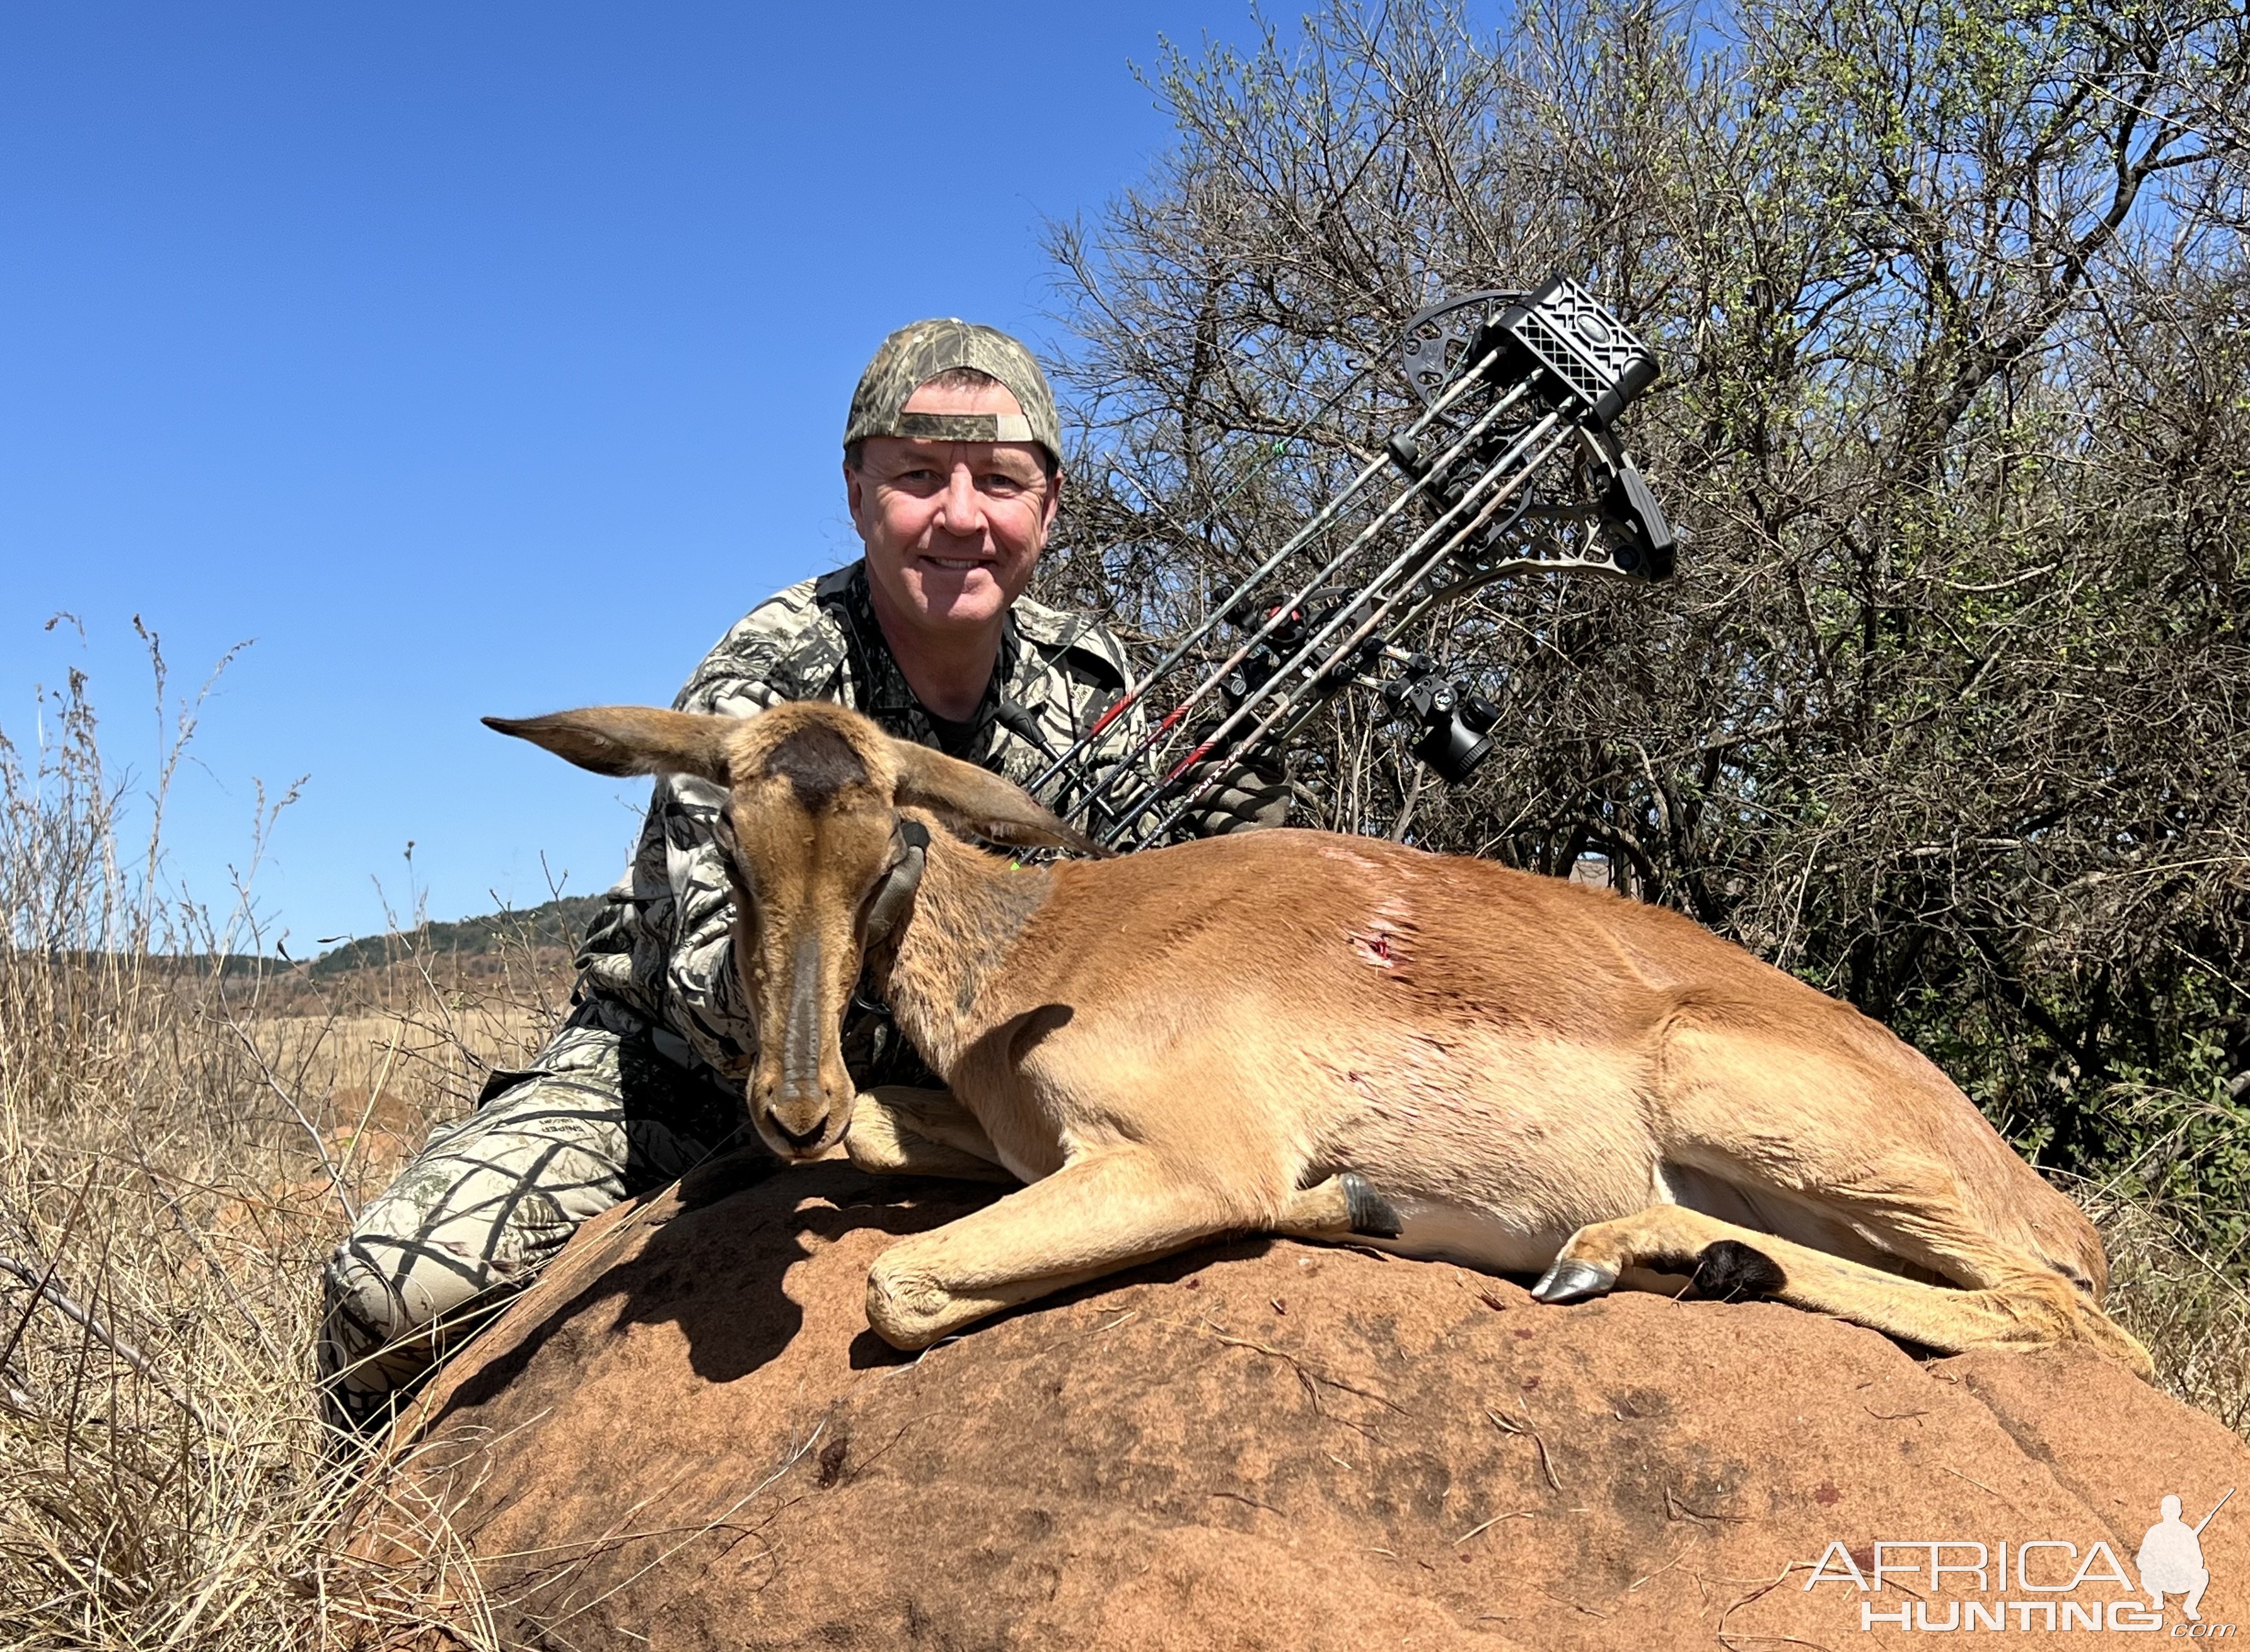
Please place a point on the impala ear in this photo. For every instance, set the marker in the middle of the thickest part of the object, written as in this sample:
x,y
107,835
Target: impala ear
x,y
630,740
980,802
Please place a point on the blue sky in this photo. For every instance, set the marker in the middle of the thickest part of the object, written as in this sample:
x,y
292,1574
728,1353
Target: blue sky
x,y
482,358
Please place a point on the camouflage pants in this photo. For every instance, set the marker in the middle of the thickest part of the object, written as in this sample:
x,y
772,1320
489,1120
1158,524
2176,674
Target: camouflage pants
x,y
602,1116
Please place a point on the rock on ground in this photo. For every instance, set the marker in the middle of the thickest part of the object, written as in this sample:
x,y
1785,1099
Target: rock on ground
x,y
686,1437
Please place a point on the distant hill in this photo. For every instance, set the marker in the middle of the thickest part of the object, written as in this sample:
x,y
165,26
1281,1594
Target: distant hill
x,y
510,953
557,925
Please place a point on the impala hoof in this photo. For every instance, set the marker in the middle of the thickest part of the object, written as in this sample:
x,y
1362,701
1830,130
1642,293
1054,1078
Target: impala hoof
x,y
1730,1271
1571,1281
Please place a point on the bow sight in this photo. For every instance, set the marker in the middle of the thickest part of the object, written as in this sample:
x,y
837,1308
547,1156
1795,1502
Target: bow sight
x,y
1510,467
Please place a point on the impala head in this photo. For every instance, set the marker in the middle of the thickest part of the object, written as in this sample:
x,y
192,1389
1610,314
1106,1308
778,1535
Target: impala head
x,y
823,859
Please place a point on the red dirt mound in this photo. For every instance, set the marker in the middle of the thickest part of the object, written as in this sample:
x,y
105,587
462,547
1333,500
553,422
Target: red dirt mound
x,y
686,1437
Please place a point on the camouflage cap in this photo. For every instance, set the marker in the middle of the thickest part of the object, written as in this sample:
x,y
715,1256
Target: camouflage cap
x,y
920,351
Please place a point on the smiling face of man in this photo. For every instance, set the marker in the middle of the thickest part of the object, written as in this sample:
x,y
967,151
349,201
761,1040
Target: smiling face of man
x,y
952,529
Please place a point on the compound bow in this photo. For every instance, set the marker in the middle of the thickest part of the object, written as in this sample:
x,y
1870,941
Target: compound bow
x,y
1511,466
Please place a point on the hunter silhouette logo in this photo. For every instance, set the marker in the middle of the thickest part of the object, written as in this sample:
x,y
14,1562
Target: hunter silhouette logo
x,y
2171,1558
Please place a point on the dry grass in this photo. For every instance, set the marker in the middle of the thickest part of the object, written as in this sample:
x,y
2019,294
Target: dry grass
x,y
179,1146
2190,1309
2189,1303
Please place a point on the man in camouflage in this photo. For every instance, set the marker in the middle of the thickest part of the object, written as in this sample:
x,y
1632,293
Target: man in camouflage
x,y
953,471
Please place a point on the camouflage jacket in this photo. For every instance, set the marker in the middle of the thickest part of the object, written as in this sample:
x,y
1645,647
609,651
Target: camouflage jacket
x,y
662,948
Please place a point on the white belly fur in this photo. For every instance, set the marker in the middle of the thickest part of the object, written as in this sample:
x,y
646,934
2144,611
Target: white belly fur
x,y
1474,1238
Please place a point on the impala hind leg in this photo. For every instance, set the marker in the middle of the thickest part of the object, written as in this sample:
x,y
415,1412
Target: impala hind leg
x,y
1095,1216
1855,1127
2031,1308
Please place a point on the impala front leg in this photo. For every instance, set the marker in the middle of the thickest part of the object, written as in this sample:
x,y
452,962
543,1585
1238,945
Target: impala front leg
x,y
1095,1215
898,1129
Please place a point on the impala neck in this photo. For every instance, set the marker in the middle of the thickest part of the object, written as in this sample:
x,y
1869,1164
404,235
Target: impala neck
x,y
969,912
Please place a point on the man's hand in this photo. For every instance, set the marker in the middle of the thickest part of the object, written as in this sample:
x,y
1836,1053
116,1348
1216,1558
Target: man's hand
x,y
1252,794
